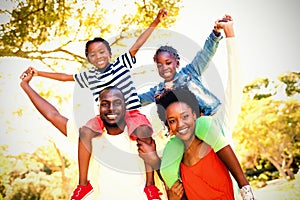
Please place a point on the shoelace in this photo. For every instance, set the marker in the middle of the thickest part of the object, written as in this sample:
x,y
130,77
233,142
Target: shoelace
x,y
154,193
76,192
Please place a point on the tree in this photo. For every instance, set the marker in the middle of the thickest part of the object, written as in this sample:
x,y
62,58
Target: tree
x,y
48,30
269,128
44,174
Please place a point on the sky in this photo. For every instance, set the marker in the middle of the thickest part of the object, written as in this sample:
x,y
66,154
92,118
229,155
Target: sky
x,y
267,34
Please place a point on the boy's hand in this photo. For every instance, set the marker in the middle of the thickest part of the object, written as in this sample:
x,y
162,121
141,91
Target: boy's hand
x,y
163,13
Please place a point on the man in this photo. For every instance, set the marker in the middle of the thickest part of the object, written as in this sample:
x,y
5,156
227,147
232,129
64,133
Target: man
x,y
121,173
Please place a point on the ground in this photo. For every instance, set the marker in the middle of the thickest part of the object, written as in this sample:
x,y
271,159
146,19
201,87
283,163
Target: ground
x,y
279,189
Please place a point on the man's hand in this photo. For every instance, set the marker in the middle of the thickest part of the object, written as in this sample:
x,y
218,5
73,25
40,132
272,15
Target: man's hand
x,y
148,153
226,23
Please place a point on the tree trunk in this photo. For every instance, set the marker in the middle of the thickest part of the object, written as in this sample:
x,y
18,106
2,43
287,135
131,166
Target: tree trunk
x,y
278,167
64,180
287,167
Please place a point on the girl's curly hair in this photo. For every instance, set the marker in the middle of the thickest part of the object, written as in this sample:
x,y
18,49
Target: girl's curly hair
x,y
167,49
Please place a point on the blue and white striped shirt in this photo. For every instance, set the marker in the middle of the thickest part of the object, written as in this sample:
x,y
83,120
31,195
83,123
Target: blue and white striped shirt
x,y
117,74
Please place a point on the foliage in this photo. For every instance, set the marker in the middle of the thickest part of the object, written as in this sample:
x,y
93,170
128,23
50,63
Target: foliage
x,y
263,87
48,30
292,82
268,129
259,89
24,176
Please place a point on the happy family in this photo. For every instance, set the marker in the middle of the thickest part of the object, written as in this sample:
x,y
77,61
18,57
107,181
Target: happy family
x,y
197,162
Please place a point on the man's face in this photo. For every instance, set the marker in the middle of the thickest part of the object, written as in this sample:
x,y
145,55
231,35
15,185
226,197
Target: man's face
x,y
112,107
98,55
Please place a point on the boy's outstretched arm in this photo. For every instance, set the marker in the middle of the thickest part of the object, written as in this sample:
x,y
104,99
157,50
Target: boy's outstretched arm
x,y
145,35
52,75
43,106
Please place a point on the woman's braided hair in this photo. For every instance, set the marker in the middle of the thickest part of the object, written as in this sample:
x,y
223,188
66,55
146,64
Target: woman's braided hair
x,y
168,49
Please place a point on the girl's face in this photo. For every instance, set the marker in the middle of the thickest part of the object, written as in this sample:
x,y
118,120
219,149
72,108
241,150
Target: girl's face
x,y
98,55
181,120
166,65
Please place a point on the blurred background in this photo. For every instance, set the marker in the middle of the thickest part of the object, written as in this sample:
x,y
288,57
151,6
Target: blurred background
x,y
37,161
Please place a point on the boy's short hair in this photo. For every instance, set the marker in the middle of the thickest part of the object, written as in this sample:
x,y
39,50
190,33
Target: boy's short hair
x,y
96,39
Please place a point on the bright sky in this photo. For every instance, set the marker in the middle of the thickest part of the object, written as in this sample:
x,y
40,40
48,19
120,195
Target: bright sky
x,y
267,36
267,32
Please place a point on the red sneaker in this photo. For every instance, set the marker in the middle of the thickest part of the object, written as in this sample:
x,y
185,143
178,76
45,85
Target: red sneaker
x,y
152,192
81,191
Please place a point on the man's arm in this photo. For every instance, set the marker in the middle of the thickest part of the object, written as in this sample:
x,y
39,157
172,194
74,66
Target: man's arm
x,y
52,75
43,106
234,86
146,34
148,153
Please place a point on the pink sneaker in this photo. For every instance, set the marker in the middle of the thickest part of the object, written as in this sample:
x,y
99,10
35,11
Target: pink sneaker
x,y
81,192
152,192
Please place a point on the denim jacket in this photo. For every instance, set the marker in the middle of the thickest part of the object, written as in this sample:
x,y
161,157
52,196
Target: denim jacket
x,y
190,76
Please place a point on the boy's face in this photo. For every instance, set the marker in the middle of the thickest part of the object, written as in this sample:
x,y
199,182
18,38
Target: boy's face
x,y
98,55
166,65
181,121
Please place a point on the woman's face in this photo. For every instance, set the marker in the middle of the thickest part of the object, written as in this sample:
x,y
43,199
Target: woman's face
x,y
181,120
98,55
166,65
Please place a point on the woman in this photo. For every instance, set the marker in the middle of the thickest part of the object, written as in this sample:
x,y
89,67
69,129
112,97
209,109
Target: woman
x,y
203,173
